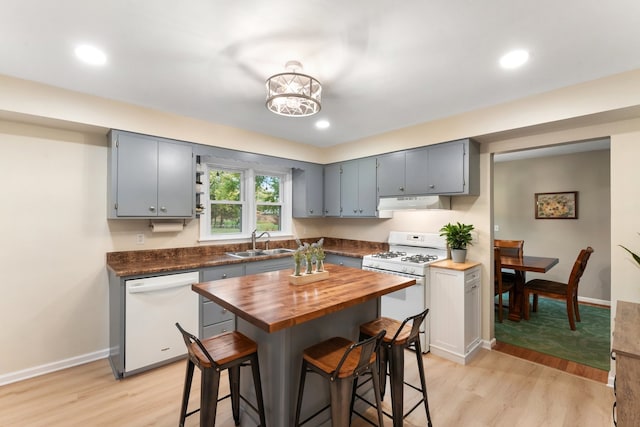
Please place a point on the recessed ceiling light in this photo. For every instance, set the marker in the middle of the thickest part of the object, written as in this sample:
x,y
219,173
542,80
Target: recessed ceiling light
x,y
322,124
514,59
91,55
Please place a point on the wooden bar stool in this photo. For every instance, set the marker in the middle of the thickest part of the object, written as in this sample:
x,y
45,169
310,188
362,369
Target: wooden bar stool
x,y
341,361
230,350
399,336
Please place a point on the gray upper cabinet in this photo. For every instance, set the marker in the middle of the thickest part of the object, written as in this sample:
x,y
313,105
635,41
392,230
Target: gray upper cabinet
x,y
358,188
332,189
450,168
149,177
390,175
436,169
308,191
417,171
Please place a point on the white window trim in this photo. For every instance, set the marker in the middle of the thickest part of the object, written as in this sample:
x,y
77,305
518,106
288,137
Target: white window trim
x,y
249,171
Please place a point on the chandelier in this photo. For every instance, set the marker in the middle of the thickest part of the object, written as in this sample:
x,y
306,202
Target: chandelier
x,y
293,94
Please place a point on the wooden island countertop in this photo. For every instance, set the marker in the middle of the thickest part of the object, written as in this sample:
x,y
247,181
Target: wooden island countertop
x,y
269,302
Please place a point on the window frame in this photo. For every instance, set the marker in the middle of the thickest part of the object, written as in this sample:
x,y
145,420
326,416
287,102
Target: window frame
x,y
247,199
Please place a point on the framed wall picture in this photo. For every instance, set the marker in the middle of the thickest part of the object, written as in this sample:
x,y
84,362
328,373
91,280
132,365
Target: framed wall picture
x,y
562,205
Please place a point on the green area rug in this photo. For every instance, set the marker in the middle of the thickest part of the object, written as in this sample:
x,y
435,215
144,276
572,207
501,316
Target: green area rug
x,y
548,332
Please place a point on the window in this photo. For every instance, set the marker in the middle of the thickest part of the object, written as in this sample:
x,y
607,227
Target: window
x,y
243,198
268,202
225,201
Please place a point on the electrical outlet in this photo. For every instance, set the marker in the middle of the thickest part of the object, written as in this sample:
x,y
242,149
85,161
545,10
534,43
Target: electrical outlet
x,y
140,238
496,228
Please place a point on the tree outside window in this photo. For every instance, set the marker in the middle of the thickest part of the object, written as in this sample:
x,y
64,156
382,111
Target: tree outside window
x,y
242,199
268,203
225,197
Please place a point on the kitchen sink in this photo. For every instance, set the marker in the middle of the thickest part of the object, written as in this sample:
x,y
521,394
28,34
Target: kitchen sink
x,y
259,252
277,251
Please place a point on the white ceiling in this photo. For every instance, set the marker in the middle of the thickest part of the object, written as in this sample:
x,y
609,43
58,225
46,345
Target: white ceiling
x,y
384,65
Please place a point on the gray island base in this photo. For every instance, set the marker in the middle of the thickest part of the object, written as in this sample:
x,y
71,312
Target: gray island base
x,y
285,319
280,355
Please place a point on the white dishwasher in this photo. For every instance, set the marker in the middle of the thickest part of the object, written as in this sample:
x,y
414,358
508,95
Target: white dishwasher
x,y
153,305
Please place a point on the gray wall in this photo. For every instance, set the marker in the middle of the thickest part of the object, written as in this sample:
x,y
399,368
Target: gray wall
x,y
516,182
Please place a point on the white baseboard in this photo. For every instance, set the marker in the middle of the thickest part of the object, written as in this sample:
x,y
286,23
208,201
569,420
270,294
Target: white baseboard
x,y
24,374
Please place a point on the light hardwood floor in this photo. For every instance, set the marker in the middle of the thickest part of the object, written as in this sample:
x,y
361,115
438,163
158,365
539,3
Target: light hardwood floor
x,y
495,389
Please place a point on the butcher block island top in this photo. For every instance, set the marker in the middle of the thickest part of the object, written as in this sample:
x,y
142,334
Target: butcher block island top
x,y
269,302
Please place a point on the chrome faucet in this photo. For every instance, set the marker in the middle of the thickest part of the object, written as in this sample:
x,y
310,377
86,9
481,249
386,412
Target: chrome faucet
x,y
254,238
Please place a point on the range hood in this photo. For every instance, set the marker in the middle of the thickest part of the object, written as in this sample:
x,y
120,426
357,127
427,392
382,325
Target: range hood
x,y
414,202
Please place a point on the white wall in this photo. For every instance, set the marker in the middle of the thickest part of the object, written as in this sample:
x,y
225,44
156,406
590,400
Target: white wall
x,y
515,184
54,240
625,220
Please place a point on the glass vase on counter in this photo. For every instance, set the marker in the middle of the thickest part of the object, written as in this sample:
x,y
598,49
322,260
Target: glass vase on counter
x,y
313,255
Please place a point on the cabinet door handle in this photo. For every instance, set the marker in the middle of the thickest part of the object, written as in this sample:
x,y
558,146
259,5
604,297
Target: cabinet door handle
x,y
432,186
163,209
360,210
224,311
152,208
355,211
401,188
310,211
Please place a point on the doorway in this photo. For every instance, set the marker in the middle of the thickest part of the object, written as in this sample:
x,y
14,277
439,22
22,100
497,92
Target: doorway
x,y
583,167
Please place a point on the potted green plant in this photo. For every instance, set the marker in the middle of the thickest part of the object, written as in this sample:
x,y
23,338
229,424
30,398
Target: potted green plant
x,y
458,236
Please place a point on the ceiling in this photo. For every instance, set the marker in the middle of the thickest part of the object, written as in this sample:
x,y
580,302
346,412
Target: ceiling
x,y
384,65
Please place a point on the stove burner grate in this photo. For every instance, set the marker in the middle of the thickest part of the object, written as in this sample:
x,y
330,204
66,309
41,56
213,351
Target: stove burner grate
x,y
389,255
419,258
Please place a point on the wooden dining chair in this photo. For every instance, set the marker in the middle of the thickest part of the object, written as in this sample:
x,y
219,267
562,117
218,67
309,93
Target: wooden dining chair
x,y
510,248
499,285
514,249
558,290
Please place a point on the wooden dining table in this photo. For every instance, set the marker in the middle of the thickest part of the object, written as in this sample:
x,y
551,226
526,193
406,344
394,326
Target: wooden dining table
x,y
520,266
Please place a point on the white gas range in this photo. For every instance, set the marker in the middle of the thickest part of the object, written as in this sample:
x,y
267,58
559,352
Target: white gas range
x,y
409,255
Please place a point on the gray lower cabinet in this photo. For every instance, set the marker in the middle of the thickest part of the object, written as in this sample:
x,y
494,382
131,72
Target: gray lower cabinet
x,y
215,319
347,261
267,265
308,192
149,177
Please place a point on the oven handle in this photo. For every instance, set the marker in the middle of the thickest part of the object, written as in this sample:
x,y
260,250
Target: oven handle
x,y
419,279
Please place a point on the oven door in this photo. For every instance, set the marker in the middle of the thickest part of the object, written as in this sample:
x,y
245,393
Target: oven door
x,y
407,302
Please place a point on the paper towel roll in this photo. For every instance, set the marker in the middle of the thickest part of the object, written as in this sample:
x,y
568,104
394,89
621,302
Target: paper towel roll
x,y
166,227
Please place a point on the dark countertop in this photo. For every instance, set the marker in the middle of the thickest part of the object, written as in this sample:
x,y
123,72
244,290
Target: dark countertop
x,y
132,263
